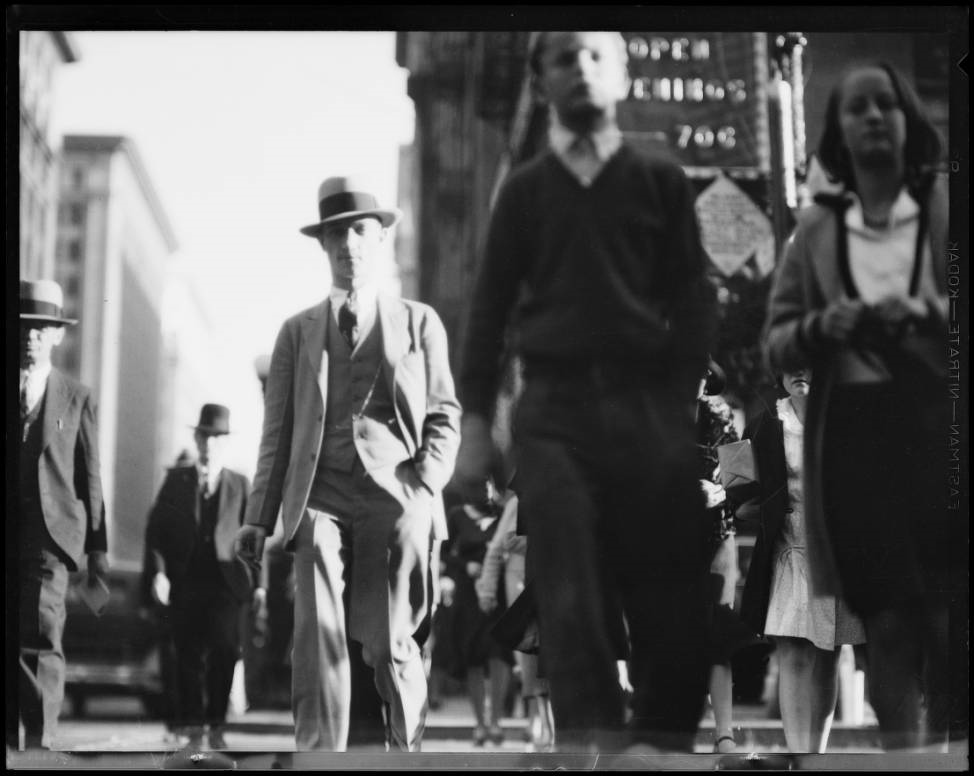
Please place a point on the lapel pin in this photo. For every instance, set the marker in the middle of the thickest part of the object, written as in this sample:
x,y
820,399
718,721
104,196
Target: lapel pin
x,y
60,424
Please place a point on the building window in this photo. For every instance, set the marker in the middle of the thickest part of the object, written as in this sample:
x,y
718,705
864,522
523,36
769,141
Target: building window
x,y
72,287
76,213
74,250
78,178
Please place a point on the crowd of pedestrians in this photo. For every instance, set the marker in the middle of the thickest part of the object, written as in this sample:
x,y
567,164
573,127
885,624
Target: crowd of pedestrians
x,y
614,541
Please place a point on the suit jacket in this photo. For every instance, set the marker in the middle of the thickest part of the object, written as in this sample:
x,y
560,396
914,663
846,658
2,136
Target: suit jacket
x,y
172,531
416,368
806,281
68,469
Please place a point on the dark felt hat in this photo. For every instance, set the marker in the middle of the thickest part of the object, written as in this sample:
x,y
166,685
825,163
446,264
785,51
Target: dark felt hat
x,y
214,420
344,197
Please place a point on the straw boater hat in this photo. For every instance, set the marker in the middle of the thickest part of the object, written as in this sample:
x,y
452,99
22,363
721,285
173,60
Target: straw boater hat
x,y
214,420
42,300
346,197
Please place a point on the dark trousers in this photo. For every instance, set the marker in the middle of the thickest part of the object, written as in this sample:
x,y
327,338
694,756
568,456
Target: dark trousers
x,y
615,519
206,634
42,585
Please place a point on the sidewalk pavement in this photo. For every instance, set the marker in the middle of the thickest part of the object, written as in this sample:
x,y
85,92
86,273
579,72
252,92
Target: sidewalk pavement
x,y
453,721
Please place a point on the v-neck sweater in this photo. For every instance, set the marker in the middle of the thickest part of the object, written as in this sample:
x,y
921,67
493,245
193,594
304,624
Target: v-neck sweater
x,y
612,272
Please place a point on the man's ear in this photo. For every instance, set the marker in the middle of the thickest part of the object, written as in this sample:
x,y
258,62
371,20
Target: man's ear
x,y
58,337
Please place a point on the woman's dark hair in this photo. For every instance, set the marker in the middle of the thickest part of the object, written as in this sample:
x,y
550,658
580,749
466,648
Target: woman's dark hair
x,y
921,150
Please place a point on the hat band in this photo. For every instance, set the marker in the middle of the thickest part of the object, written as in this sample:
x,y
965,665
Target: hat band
x,y
36,307
346,202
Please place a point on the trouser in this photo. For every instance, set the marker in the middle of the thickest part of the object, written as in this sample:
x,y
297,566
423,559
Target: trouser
x,y
615,517
43,583
206,636
361,564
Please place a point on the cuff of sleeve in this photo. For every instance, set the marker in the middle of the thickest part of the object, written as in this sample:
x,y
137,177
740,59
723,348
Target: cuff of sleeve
x,y
810,332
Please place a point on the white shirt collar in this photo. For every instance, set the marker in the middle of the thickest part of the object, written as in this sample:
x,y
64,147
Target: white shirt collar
x,y
366,297
606,140
36,376
904,209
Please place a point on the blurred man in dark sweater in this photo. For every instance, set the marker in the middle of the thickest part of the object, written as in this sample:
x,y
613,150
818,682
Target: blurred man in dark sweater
x,y
593,252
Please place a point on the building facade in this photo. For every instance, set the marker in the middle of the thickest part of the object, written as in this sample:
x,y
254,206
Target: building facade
x,y
41,55
114,241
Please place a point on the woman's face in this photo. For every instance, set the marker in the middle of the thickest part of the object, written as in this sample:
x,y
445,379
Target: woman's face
x,y
797,383
872,122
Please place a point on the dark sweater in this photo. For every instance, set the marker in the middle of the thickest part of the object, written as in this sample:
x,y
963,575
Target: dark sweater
x,y
609,273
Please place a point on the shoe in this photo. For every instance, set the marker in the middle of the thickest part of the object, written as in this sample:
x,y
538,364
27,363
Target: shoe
x,y
217,741
496,735
725,744
195,742
479,735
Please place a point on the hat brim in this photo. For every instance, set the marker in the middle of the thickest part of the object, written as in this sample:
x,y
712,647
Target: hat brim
x,y
211,430
49,318
386,217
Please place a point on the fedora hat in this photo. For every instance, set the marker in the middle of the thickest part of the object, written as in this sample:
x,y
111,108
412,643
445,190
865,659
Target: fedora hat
x,y
346,197
42,300
214,420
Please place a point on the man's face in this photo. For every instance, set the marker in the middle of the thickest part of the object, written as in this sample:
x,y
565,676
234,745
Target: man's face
x,y
353,248
211,449
583,75
37,341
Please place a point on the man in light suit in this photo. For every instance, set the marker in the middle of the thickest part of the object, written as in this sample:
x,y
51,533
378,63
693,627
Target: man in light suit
x,y
190,567
361,429
60,514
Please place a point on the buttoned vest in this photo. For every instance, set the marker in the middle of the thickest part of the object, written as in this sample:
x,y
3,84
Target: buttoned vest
x,y
360,418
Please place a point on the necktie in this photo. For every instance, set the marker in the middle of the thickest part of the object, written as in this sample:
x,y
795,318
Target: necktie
x,y
348,320
204,482
24,404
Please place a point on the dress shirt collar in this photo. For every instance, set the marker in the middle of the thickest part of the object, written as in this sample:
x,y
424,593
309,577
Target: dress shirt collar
x,y
36,382
212,477
366,295
605,141
904,210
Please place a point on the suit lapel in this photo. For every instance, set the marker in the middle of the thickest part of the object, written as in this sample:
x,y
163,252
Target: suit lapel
x,y
393,320
315,329
56,399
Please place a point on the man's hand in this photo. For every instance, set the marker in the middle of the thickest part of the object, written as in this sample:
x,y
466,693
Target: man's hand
x,y
160,588
259,607
249,545
896,311
475,454
487,602
97,567
841,319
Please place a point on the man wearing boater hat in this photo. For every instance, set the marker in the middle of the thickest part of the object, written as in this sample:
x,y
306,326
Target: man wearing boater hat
x,y
361,428
190,567
60,514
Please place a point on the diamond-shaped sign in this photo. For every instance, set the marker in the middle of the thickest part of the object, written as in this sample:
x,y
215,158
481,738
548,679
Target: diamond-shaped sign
x,y
733,228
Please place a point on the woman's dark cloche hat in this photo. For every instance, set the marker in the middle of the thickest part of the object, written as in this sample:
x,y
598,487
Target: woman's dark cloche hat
x,y
214,420
716,379
43,300
344,197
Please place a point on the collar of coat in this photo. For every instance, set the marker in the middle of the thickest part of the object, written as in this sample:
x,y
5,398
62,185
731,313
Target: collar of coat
x,y
397,324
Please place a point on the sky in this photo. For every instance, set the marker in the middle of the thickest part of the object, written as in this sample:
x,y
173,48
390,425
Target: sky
x,y
236,130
